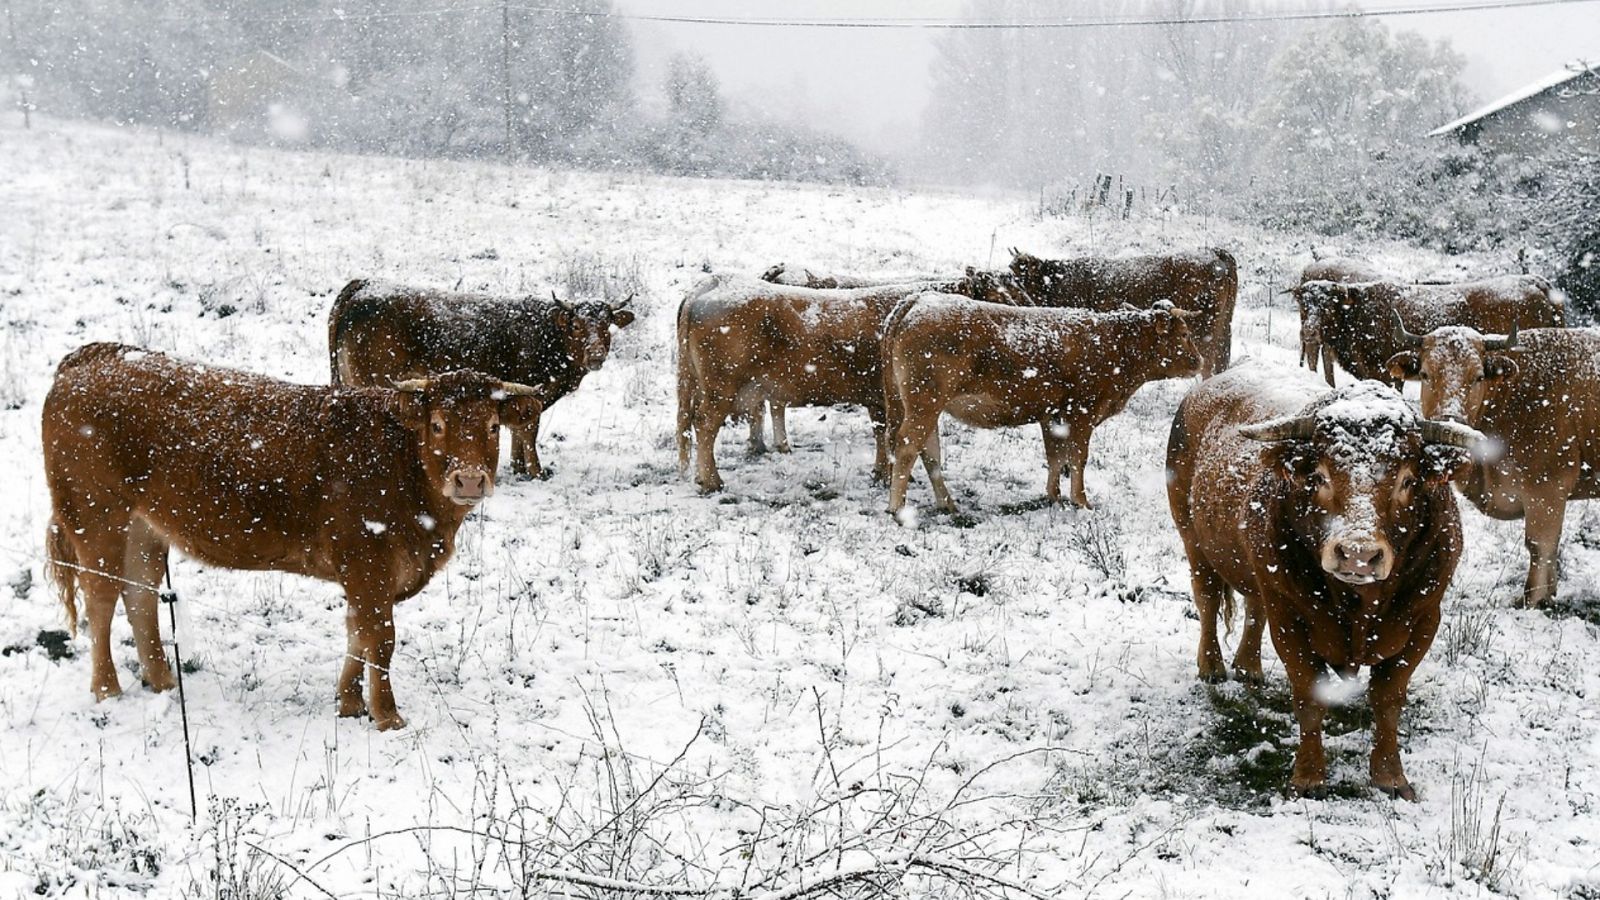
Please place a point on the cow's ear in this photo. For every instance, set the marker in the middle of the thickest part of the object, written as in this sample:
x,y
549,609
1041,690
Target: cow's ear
x,y
517,411
1405,365
561,318
410,408
1291,460
1500,366
622,318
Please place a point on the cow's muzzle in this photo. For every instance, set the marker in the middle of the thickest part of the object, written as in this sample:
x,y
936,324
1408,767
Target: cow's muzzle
x,y
1358,560
468,485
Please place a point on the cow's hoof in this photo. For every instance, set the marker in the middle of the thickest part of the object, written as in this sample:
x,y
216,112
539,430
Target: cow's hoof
x,y
711,487
783,447
107,691
1251,677
1309,790
1399,791
161,683
392,722
1214,676
756,450
352,709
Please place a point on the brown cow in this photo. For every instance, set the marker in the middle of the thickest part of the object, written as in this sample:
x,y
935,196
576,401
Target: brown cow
x,y
360,486
1205,282
1536,394
742,343
1339,270
1331,512
1358,320
379,333
994,366
979,284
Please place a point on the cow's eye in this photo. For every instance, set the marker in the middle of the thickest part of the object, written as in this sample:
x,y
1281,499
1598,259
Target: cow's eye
x,y
1316,480
438,426
1408,483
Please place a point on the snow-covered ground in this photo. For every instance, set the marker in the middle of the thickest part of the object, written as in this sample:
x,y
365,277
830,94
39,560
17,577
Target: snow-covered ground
x,y
618,675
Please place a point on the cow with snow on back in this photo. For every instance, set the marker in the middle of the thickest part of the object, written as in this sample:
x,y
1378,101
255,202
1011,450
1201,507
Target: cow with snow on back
x,y
1338,270
995,366
380,333
1331,512
1536,394
1357,321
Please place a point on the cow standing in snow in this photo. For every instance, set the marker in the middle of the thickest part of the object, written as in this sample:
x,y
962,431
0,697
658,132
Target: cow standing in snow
x,y
995,366
1331,512
365,487
1536,394
380,333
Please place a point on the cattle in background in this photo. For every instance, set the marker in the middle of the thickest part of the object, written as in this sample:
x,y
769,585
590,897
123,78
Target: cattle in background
x,y
743,344
1536,394
1205,282
380,333
1331,512
1339,270
995,366
364,487
1358,320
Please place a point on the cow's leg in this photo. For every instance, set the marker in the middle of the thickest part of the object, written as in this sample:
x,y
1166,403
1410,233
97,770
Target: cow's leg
x,y
1247,656
144,562
1078,435
1310,774
880,443
369,620
757,414
1543,521
525,450
708,419
1328,364
100,579
1210,593
780,428
1386,691
1055,457
909,441
933,463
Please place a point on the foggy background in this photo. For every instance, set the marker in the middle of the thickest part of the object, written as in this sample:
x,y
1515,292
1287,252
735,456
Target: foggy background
x,y
1315,125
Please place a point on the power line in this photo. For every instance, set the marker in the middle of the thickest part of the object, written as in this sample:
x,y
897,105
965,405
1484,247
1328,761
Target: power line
x,y
1063,23
882,23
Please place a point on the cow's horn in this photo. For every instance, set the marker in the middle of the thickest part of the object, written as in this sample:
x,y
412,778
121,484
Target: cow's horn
x,y
560,302
1505,343
1453,434
1404,337
513,389
412,385
1289,428
623,304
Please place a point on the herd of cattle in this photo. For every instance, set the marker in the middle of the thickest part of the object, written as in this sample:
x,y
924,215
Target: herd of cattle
x,y
1329,510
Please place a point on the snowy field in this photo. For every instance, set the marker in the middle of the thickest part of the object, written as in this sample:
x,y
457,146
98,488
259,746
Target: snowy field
x,y
620,676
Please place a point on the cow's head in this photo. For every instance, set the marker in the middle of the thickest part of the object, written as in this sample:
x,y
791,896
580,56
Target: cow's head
x,y
1455,365
773,274
1357,464
457,418
1176,354
586,328
1029,269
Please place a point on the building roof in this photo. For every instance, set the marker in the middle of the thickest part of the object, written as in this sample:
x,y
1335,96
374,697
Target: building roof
x,y
1549,82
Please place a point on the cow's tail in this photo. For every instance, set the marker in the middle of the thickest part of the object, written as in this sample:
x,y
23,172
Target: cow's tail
x,y
61,567
1227,295
339,322
894,412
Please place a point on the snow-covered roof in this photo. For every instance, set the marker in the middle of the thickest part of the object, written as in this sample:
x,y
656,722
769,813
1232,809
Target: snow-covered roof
x,y
1553,80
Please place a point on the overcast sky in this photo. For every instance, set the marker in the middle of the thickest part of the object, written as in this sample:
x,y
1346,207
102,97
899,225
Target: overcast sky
x,y
872,85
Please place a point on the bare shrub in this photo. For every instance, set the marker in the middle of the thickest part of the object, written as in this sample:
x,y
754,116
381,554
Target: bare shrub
x,y
1474,849
1096,537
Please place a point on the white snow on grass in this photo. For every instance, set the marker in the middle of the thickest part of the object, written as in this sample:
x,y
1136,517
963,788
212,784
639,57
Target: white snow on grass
x,y
1013,684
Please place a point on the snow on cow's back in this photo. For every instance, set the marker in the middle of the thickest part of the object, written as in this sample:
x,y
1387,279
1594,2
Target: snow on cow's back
x,y
1271,388
1025,329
